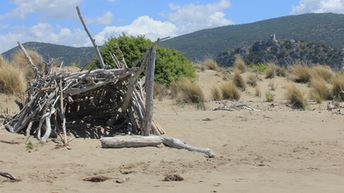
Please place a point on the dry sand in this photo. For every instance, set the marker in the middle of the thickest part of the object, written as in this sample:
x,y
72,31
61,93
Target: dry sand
x,y
274,150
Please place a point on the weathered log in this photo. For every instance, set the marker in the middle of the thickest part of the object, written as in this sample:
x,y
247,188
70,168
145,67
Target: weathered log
x,y
130,141
147,124
152,140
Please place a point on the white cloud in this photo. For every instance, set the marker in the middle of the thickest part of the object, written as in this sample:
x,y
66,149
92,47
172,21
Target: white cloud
x,y
44,32
105,19
53,8
192,17
143,25
319,6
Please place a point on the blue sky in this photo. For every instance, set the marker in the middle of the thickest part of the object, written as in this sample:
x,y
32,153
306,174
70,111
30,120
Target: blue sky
x,y
55,21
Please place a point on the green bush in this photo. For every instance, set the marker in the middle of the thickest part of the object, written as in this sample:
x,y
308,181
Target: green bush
x,y
170,64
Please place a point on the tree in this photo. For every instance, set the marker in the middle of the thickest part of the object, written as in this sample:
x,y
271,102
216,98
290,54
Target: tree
x,y
170,64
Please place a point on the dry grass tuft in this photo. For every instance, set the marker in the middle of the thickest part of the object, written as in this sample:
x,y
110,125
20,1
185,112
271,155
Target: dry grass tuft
x,y
230,91
238,80
319,91
269,97
216,94
210,64
258,92
12,79
281,71
189,92
272,85
239,64
271,72
295,97
252,80
324,72
160,91
19,59
338,87
301,73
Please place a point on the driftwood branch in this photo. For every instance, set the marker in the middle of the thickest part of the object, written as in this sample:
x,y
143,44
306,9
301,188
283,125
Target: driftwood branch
x,y
9,176
33,66
152,140
92,40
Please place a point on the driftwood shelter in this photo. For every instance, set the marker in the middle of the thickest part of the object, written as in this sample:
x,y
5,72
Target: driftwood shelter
x,y
100,103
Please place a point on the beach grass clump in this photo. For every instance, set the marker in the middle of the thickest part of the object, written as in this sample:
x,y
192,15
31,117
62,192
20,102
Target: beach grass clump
x,y
239,64
295,97
319,90
189,92
230,91
238,80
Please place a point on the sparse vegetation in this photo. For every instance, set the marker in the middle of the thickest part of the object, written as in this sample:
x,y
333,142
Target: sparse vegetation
x,y
261,68
272,85
319,91
210,64
189,92
271,72
258,93
19,60
238,80
295,97
301,73
239,64
160,91
324,72
252,80
12,79
230,91
281,71
338,87
216,94
269,97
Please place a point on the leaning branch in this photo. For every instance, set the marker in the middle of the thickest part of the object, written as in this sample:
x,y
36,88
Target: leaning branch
x,y
33,66
90,36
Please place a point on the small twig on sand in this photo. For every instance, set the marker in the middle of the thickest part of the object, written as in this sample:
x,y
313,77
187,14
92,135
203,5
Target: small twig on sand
x,y
9,176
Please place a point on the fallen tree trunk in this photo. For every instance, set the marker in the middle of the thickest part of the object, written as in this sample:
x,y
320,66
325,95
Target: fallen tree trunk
x,y
151,141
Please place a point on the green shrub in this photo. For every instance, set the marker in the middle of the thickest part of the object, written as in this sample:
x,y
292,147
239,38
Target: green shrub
x,y
170,64
261,68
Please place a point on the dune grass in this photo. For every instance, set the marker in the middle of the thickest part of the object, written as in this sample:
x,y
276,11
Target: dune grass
x,y
238,80
210,64
252,80
12,79
324,72
229,91
216,94
295,97
239,64
19,59
301,73
189,92
338,87
319,90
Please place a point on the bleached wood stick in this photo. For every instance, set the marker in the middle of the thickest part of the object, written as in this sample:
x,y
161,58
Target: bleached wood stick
x,y
9,176
90,36
152,140
63,117
33,66
130,141
147,126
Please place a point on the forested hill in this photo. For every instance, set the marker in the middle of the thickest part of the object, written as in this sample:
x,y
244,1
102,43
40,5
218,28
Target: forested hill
x,y
324,28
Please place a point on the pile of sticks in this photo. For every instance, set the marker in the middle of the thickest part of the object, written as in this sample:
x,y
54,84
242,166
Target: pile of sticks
x,y
94,104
